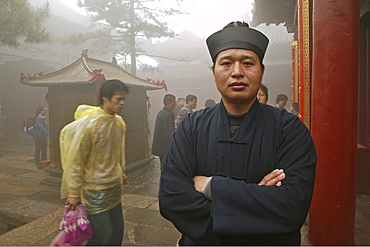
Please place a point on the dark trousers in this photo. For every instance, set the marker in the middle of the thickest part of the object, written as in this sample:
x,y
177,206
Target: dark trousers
x,y
107,227
40,147
161,159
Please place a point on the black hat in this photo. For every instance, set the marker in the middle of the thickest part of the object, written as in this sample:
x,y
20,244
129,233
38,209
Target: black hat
x,y
237,35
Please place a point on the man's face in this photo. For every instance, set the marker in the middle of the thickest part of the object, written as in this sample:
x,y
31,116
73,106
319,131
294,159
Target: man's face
x,y
181,103
238,74
115,104
172,104
192,104
282,104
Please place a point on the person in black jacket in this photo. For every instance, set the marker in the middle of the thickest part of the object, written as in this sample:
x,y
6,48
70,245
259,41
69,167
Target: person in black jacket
x,y
164,127
239,172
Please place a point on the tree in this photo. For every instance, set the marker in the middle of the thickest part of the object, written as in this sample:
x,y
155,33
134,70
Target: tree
x,y
18,20
120,24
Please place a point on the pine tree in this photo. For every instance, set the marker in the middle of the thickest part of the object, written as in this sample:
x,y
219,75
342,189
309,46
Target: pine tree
x,y
19,22
120,23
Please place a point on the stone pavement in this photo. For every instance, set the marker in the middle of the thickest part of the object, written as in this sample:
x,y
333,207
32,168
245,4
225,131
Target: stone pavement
x,y
34,209
30,211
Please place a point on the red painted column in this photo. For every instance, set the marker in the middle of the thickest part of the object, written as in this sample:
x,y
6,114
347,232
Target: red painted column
x,y
334,120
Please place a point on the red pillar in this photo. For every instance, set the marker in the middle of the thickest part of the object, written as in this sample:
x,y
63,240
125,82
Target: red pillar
x,y
334,120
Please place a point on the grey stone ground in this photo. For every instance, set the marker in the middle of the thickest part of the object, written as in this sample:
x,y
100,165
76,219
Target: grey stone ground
x,y
34,209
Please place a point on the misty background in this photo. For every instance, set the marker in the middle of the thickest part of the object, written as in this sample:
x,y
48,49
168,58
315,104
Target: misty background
x,y
182,61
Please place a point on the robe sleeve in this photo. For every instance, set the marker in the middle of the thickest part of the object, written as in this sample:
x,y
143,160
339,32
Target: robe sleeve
x,y
189,210
238,207
247,208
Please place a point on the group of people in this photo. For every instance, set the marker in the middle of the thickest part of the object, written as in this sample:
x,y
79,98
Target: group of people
x,y
169,118
237,173
281,100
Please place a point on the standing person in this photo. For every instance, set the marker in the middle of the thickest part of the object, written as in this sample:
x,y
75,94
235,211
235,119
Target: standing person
x,y
209,102
164,127
263,94
2,136
241,172
180,104
93,160
191,104
294,108
41,134
281,100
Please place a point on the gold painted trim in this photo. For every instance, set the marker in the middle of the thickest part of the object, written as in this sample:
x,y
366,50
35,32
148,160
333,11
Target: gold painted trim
x,y
306,62
294,47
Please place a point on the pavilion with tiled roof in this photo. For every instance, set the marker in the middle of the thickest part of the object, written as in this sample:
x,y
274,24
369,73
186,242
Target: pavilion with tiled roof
x,y
78,83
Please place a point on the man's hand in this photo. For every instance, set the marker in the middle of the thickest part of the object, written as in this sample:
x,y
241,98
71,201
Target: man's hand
x,y
125,179
73,202
273,178
200,183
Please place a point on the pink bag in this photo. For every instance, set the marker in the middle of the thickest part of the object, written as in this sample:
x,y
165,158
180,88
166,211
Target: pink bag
x,y
58,240
76,226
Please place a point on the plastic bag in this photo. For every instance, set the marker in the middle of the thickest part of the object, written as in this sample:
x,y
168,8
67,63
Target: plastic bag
x,y
76,226
58,240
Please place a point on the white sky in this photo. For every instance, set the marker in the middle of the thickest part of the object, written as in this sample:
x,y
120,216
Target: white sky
x,y
205,16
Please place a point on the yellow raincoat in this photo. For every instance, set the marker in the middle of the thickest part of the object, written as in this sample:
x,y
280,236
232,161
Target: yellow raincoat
x,y
93,158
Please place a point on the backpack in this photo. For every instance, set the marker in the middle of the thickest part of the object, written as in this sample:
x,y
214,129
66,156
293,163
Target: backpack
x,y
30,126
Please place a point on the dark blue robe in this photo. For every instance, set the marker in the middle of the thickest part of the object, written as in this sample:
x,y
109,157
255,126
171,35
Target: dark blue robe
x,y
241,212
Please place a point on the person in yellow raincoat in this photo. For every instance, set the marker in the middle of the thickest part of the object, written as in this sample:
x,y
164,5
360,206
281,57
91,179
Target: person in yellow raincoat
x,y
93,160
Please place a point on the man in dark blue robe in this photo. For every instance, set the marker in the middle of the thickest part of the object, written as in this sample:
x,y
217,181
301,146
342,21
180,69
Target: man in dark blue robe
x,y
239,172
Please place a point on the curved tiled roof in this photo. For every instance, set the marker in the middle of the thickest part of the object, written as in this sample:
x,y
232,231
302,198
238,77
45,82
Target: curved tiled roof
x,y
82,71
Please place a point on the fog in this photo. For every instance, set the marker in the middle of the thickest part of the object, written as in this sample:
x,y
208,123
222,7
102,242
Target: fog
x,y
189,75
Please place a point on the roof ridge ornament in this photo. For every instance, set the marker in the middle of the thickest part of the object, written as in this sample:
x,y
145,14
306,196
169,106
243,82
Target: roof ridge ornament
x,y
114,61
84,53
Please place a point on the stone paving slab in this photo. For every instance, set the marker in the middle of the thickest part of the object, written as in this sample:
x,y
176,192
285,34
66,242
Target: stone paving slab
x,y
22,181
146,217
48,197
5,198
17,190
35,175
34,232
148,189
148,235
18,157
138,201
13,170
154,205
30,208
144,175
5,176
127,189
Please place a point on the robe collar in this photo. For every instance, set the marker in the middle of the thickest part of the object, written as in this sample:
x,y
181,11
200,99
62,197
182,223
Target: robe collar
x,y
243,135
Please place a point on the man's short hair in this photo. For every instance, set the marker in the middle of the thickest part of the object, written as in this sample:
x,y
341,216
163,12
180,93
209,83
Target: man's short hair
x,y
190,97
281,97
109,88
265,90
180,99
209,102
168,98
295,106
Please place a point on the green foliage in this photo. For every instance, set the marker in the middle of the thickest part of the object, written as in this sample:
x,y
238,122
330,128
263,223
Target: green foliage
x,y
119,22
20,22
